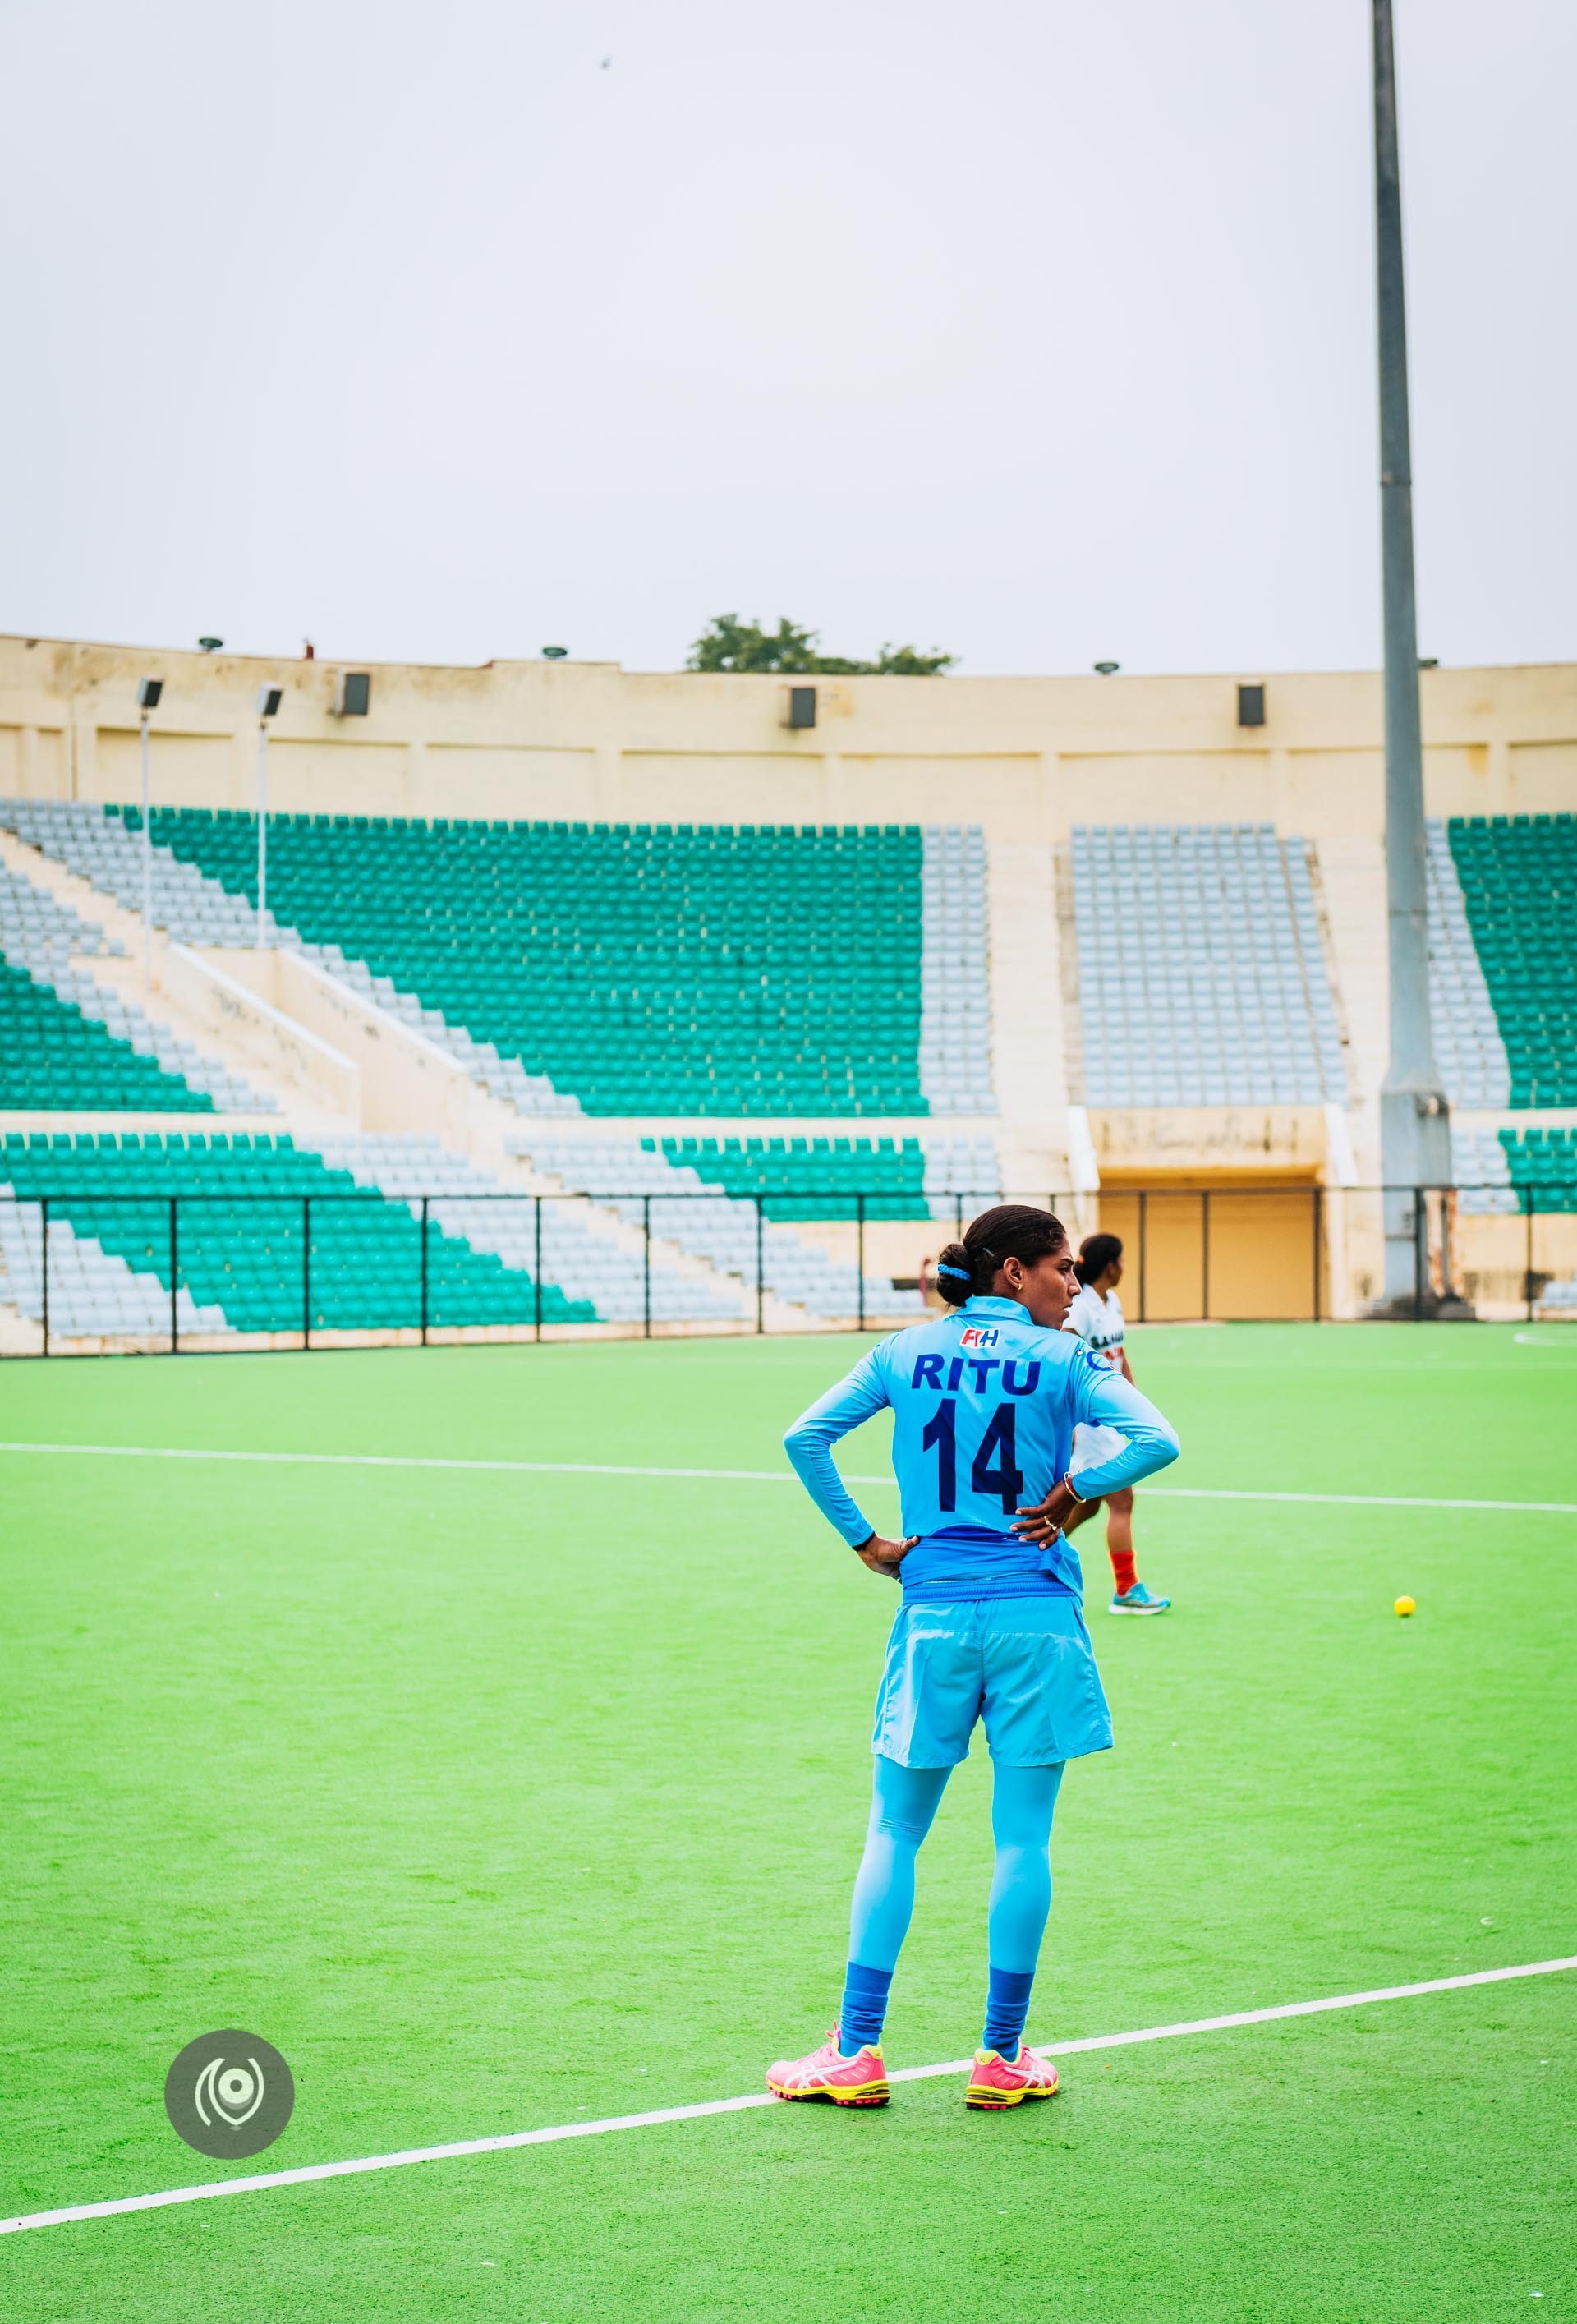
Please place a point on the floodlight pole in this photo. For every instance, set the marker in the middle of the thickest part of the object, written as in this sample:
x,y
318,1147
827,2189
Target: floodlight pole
x,y
148,690
147,862
269,698
262,830
1415,1126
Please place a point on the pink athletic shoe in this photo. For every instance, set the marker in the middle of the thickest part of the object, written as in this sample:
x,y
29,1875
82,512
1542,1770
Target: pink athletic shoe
x,y
859,2081
998,2081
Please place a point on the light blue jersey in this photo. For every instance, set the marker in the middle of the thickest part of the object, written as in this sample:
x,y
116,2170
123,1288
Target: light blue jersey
x,y
985,1406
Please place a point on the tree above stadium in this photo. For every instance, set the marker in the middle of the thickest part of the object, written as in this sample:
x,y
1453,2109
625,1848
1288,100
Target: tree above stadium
x,y
727,643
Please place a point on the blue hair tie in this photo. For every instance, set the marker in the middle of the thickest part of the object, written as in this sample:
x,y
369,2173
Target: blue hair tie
x,y
962,1273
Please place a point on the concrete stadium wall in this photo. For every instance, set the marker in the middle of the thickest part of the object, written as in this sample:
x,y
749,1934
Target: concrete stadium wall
x,y
587,741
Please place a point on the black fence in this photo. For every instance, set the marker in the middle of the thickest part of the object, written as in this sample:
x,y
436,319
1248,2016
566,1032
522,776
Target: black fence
x,y
89,1272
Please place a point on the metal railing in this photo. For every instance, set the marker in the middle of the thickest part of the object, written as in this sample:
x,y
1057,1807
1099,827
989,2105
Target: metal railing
x,y
90,1271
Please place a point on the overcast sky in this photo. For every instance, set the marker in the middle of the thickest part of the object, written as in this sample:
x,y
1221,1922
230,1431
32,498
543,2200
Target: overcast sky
x,y
1038,330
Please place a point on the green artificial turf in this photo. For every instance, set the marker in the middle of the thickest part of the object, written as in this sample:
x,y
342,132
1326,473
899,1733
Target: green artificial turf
x,y
497,1800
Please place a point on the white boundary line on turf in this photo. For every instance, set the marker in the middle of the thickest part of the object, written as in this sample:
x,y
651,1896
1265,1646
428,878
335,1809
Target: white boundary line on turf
x,y
1348,1500
731,1476
550,2136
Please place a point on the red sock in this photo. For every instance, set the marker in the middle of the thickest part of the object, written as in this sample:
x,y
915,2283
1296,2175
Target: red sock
x,y
1124,1572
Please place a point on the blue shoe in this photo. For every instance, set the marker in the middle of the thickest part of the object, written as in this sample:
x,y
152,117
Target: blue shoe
x,y
1139,1600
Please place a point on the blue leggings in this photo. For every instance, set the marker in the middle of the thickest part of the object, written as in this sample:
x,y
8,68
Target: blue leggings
x,y
904,1802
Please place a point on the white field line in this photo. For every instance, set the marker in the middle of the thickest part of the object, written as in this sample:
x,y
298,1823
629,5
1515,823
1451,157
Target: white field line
x,y
728,1476
550,2136
1349,1500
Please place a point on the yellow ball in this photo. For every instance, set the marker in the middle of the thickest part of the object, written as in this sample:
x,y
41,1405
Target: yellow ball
x,y
1406,1606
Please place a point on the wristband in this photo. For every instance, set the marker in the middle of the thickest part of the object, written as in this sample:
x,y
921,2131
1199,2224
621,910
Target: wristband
x,y
1069,1487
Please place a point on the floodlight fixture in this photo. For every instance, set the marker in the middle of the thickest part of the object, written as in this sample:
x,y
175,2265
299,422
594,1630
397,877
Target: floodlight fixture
x,y
269,698
148,693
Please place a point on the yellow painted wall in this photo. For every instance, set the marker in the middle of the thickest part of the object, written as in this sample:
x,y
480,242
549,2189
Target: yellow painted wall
x,y
1226,1253
1027,757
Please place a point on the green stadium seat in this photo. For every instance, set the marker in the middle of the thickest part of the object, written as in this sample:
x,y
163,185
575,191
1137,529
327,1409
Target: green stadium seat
x,y
1543,1166
54,1058
678,969
1518,876
244,1254
801,1179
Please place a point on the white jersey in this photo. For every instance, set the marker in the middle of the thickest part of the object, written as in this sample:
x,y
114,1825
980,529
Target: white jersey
x,y
1097,1321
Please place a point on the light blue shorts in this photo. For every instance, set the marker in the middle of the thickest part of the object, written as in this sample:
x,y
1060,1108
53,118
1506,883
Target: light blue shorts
x,y
1023,1664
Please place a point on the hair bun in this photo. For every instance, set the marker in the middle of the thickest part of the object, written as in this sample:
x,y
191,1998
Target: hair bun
x,y
954,1287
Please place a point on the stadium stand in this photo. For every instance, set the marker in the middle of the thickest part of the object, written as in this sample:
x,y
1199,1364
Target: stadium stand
x,y
619,969
704,1264
93,1294
668,1023
1468,1047
1544,1170
1202,974
810,1177
102,848
633,1178
962,1168
55,1017
955,1026
1516,1169
241,1248
39,932
1542,1165
585,1247
823,1177
1518,877
53,1059
1481,1169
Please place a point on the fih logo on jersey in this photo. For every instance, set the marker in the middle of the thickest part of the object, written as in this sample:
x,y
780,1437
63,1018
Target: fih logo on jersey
x,y
980,1336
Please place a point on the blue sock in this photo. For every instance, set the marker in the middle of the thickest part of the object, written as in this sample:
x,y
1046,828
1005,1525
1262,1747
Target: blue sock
x,y
1007,2008
864,2008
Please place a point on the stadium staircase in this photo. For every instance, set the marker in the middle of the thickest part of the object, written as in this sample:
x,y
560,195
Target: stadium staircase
x,y
70,1035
